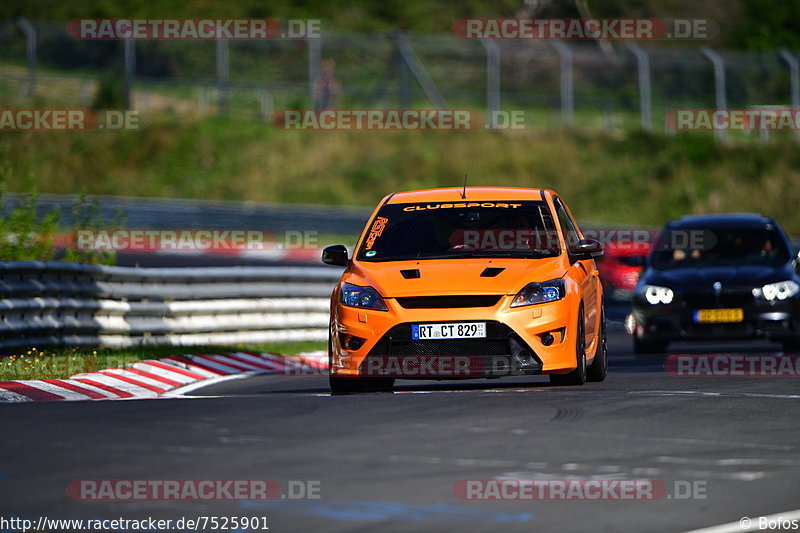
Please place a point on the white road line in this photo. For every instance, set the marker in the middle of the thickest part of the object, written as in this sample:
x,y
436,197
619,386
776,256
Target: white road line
x,y
714,394
748,523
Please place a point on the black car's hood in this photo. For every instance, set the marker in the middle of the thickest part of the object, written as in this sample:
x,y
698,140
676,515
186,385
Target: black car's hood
x,y
732,276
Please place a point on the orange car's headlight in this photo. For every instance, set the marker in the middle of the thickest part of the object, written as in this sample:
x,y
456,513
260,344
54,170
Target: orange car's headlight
x,y
363,297
539,293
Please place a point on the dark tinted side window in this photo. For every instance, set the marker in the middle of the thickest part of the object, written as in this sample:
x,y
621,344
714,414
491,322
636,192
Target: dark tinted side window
x,y
568,226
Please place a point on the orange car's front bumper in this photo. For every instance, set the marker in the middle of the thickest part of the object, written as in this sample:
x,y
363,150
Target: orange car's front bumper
x,y
529,323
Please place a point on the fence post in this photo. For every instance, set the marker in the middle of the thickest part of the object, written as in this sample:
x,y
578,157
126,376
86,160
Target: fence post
x,y
645,90
30,52
266,104
314,58
223,71
130,71
409,57
567,85
794,77
719,84
403,84
492,80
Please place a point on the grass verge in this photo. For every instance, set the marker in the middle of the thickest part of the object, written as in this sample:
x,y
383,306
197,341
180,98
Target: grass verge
x,y
62,364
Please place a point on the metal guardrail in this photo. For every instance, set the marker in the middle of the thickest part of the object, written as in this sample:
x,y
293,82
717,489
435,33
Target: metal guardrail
x,y
70,304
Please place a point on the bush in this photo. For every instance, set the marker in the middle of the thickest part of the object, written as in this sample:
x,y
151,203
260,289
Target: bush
x,y
23,235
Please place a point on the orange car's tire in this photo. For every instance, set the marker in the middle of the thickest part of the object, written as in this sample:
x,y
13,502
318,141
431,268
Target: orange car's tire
x,y
577,376
598,370
358,385
380,384
346,385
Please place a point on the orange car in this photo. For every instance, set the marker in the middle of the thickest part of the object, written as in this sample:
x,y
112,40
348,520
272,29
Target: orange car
x,y
461,283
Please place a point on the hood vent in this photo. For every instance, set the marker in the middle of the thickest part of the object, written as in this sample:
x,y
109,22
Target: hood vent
x,y
490,272
411,273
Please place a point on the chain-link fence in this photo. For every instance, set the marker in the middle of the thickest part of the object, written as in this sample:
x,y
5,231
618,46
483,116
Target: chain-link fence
x,y
622,85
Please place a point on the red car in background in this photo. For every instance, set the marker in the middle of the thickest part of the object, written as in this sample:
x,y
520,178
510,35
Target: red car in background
x,y
620,267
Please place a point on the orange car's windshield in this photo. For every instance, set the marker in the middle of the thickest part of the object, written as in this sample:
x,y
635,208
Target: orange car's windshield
x,y
450,230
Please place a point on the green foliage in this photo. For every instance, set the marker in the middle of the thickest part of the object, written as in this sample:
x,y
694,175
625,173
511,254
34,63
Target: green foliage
x,y
27,235
23,235
743,24
86,215
109,94
62,363
628,177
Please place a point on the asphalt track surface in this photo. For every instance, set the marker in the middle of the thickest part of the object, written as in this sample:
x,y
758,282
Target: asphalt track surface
x,y
389,461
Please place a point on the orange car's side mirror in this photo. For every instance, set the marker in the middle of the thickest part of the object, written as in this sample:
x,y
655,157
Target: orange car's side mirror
x,y
335,255
587,249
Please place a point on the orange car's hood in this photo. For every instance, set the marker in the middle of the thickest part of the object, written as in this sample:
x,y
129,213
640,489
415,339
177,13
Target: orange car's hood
x,y
452,276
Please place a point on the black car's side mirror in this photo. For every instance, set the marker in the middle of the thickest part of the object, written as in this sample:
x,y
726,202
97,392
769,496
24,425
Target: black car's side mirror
x,y
587,249
335,255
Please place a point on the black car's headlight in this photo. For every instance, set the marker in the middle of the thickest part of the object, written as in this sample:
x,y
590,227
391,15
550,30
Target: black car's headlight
x,y
537,293
654,295
779,291
363,297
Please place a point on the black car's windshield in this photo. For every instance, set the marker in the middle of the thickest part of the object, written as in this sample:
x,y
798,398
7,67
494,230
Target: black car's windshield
x,y
442,230
679,248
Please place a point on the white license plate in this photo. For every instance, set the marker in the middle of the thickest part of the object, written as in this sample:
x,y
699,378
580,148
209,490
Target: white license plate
x,y
454,330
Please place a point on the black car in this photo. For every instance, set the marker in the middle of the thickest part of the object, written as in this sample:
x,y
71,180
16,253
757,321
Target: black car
x,y
715,277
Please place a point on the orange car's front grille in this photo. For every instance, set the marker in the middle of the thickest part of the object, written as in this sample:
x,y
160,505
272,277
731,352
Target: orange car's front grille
x,y
501,353
448,302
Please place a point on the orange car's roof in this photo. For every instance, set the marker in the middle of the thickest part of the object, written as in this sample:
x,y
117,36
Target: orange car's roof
x,y
453,194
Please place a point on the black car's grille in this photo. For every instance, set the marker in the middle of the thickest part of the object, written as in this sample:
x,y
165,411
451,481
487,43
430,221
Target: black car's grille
x,y
730,297
448,302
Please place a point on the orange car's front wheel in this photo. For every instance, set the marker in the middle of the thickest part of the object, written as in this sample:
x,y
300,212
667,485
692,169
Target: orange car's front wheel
x,y
577,376
352,385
